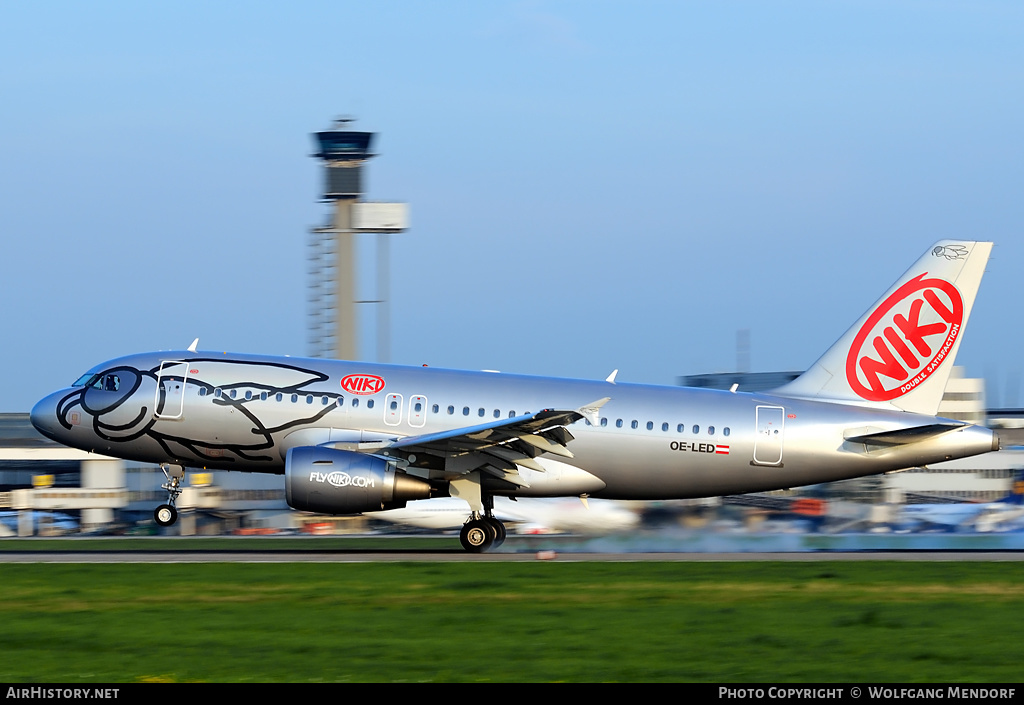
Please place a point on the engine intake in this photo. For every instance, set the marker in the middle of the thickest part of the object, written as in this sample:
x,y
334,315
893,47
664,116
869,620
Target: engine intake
x,y
342,482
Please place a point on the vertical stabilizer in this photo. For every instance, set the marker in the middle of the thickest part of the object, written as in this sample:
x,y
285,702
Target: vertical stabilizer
x,y
900,352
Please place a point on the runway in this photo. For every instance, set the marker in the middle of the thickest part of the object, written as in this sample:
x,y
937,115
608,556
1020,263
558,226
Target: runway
x,y
458,556
441,548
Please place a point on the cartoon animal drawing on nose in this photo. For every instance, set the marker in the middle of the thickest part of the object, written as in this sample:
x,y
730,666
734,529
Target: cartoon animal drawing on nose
x,y
104,401
167,403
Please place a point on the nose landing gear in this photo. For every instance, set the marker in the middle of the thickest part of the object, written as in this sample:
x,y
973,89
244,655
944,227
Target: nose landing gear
x,y
166,514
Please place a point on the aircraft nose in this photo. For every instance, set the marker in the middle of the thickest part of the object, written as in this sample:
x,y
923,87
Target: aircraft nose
x,y
44,416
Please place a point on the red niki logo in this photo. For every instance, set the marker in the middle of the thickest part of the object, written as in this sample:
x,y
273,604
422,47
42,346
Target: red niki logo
x,y
901,334
362,384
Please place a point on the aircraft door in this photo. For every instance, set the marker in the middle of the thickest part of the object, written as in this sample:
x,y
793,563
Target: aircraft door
x,y
393,409
768,441
170,390
417,410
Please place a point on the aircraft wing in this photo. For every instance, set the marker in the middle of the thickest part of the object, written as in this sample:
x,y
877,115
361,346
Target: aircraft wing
x,y
498,447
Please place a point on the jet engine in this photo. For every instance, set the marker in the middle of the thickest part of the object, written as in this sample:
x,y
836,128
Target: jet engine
x,y
342,482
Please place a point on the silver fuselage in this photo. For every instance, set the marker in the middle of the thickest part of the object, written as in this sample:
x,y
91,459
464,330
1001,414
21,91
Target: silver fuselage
x,y
241,412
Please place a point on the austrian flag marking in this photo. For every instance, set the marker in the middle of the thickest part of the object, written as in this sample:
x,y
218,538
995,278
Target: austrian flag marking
x,y
899,346
362,385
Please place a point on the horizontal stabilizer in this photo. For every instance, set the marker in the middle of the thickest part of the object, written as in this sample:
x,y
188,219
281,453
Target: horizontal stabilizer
x,y
905,436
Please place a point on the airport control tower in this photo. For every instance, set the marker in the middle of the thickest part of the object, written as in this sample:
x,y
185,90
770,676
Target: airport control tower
x,y
333,320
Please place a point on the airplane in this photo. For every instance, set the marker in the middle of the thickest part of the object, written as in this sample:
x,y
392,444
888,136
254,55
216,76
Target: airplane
x,y
54,521
959,516
351,437
955,517
535,515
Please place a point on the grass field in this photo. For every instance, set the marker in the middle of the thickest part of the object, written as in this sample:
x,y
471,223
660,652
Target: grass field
x,y
708,622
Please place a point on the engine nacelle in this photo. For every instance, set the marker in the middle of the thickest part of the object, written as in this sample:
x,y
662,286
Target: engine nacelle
x,y
342,482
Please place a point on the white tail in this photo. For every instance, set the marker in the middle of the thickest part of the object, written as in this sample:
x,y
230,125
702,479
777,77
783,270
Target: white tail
x,y
900,352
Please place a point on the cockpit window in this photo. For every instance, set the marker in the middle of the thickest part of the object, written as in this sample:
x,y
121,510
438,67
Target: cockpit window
x,y
107,382
86,380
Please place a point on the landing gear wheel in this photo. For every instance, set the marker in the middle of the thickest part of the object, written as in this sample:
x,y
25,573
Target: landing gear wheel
x,y
499,531
165,515
476,536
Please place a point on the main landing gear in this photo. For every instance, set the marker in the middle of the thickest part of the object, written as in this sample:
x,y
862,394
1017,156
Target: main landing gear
x,y
166,514
482,533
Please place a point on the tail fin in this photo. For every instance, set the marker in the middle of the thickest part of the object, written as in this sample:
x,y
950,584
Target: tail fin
x,y
900,352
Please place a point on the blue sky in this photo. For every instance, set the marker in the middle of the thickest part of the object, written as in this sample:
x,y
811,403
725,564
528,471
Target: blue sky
x,y
592,185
